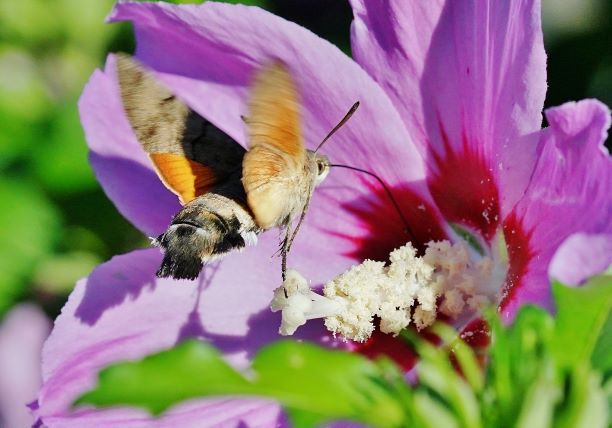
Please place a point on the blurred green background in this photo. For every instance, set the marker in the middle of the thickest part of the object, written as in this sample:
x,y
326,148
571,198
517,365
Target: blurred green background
x,y
56,223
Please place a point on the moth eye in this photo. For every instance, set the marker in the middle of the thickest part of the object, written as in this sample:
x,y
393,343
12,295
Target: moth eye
x,y
321,167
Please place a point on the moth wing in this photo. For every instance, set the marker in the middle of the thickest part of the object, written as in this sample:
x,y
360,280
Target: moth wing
x,y
186,178
190,154
274,163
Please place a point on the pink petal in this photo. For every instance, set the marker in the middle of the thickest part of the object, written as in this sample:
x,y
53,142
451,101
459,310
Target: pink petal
x,y
469,80
121,166
581,256
214,49
568,193
22,334
223,412
123,312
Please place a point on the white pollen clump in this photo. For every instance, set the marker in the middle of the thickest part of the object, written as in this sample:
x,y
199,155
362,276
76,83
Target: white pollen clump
x,y
453,302
457,279
361,287
423,318
409,289
478,302
299,303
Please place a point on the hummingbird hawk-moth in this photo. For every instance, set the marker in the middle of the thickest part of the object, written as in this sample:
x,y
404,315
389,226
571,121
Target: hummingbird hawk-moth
x,y
229,194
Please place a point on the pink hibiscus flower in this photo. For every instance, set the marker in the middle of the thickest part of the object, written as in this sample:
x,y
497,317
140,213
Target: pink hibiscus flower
x,y
451,99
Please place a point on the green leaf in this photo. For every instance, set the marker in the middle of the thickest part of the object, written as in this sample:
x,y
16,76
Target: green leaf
x,y
539,401
315,384
61,163
602,355
582,313
57,273
586,404
24,99
437,375
30,226
327,382
499,369
159,381
607,389
29,21
515,363
464,354
431,413
83,24
302,419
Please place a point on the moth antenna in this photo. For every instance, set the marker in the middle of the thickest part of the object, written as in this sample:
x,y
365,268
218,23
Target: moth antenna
x,y
346,117
387,191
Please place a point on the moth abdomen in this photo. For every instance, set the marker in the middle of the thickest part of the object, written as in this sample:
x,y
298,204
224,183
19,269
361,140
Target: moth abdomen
x,y
205,228
232,237
183,252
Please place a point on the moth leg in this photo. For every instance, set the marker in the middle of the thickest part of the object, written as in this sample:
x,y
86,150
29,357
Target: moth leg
x,y
289,237
301,220
284,251
295,231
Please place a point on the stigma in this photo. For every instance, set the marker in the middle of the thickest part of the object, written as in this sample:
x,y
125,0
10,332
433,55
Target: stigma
x,y
408,290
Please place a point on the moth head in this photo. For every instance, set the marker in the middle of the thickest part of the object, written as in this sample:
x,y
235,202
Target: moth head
x,y
323,165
